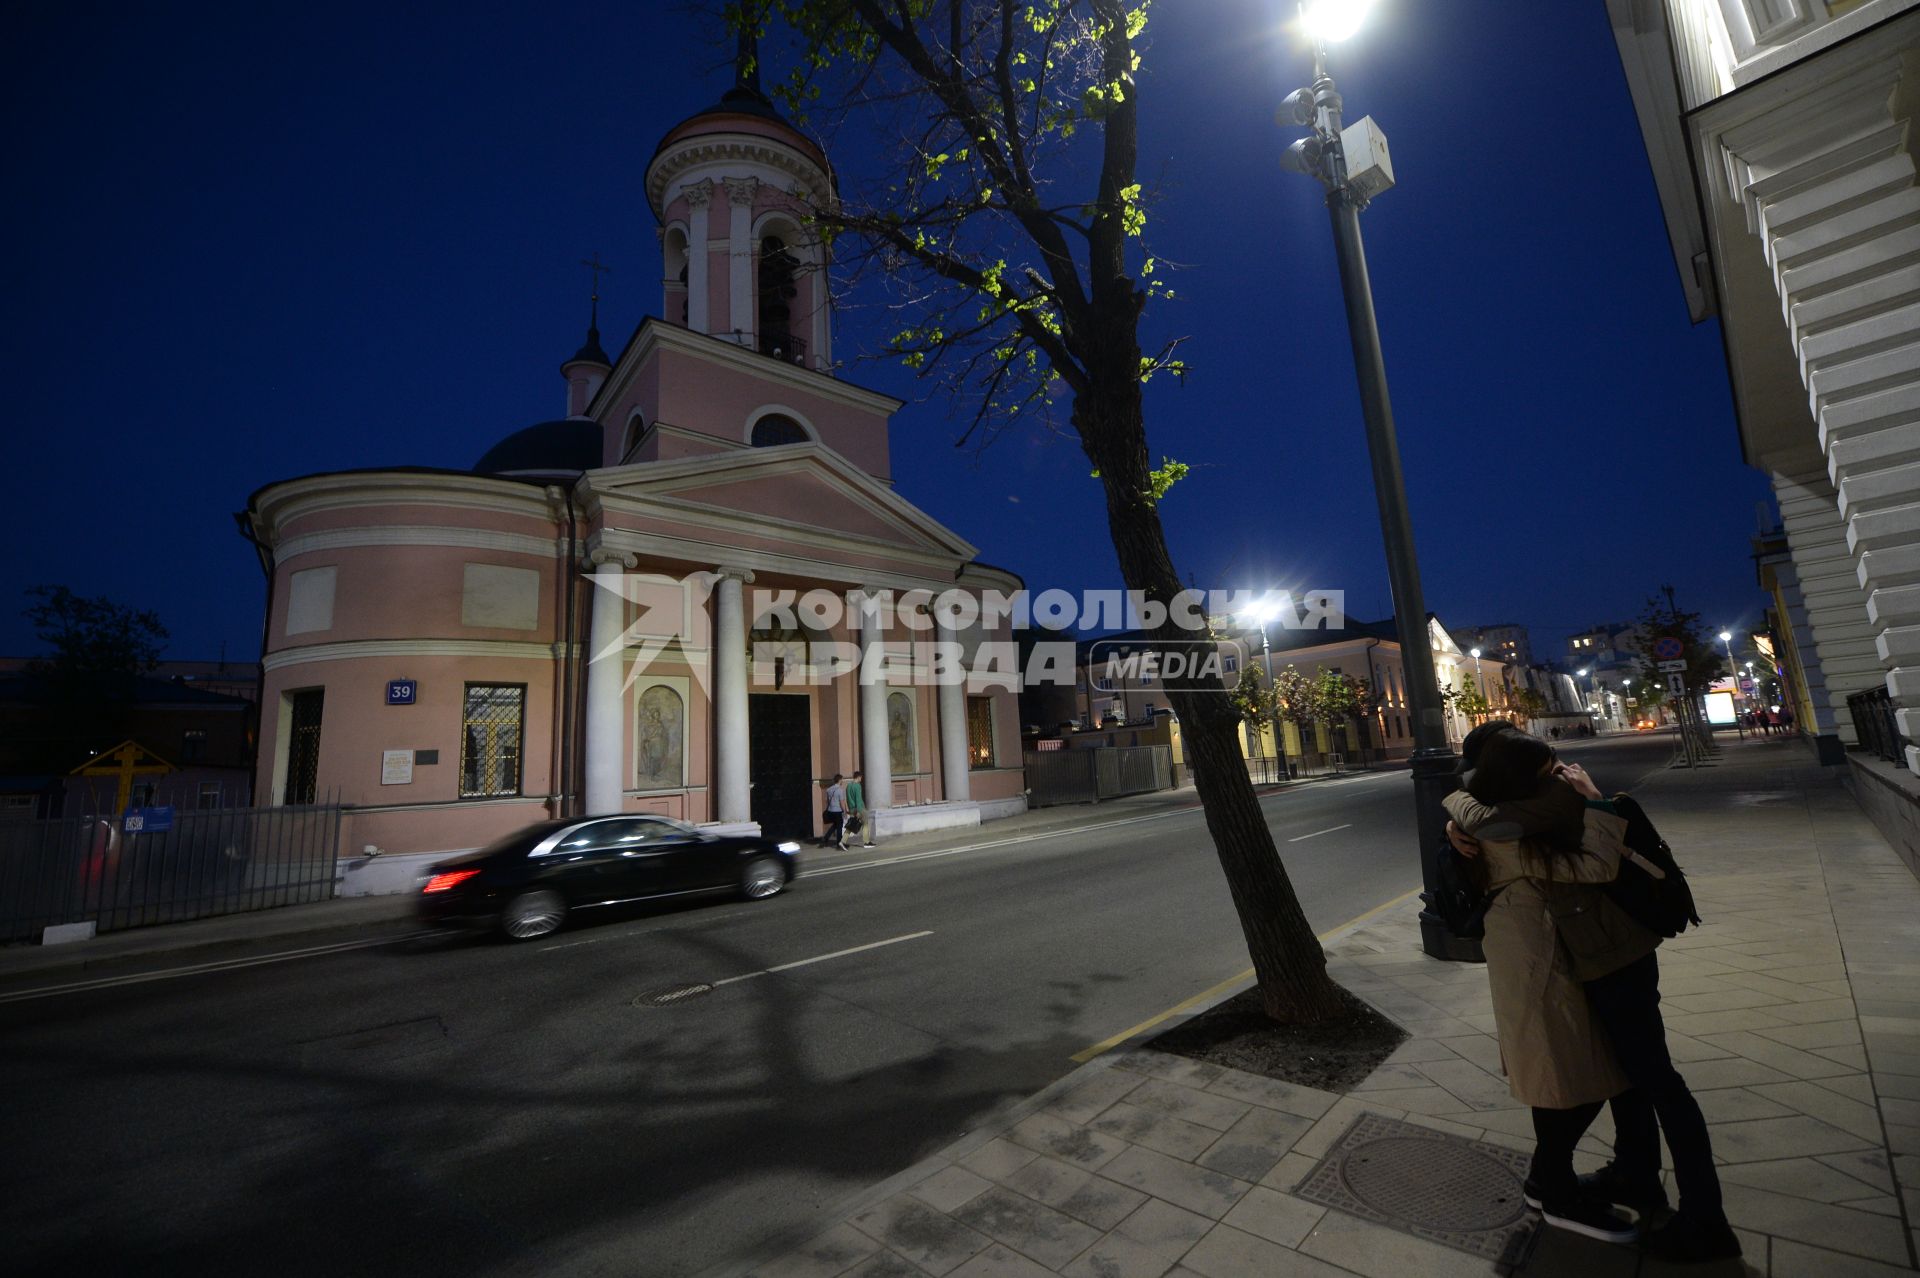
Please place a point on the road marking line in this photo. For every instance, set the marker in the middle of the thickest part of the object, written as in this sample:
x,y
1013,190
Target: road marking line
x,y
1317,833
1108,1044
821,958
224,965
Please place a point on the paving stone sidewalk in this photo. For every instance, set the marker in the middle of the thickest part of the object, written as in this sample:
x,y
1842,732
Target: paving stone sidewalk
x,y
1794,1013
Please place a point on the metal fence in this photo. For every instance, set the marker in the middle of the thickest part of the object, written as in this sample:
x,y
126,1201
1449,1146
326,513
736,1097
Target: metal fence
x,y
216,861
1088,776
1875,725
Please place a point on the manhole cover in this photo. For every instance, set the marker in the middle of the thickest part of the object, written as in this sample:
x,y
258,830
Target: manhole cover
x,y
672,995
1463,1193
1435,1183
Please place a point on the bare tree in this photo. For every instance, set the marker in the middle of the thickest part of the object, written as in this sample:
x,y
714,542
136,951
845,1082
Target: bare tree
x,y
1009,231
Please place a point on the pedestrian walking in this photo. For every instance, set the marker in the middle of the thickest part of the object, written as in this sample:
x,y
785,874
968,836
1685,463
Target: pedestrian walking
x,y
836,815
857,805
1615,960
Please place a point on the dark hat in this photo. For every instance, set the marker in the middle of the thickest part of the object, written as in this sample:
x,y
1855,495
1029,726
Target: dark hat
x,y
1470,748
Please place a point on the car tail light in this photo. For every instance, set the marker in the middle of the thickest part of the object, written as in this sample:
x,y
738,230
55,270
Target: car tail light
x,y
442,882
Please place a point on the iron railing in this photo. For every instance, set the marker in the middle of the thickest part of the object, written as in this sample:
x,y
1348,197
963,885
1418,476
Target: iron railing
x,y
82,869
1875,725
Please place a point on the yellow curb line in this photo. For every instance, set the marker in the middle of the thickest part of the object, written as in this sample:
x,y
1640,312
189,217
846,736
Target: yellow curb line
x,y
1108,1044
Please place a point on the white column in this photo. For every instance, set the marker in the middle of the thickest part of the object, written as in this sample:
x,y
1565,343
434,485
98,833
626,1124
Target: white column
x,y
731,772
699,195
1839,645
740,193
876,757
956,766
606,736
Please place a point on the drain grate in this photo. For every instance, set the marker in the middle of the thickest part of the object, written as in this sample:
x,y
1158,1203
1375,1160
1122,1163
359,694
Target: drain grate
x,y
672,995
1463,1193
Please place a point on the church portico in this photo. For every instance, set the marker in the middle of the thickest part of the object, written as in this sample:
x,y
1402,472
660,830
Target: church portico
x,y
698,594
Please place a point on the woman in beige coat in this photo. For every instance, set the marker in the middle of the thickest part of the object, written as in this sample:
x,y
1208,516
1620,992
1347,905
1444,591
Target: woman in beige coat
x,y
1557,1060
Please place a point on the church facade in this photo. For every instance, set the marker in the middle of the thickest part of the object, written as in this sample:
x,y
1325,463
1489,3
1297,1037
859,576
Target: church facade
x,y
697,594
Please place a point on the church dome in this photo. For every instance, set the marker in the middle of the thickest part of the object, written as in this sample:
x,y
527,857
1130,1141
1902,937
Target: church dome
x,y
565,447
727,114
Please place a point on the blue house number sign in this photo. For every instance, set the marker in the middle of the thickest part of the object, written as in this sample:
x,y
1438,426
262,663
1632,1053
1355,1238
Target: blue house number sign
x,y
400,692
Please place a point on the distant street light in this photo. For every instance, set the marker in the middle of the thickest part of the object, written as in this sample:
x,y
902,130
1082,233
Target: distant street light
x,y
1352,163
1733,670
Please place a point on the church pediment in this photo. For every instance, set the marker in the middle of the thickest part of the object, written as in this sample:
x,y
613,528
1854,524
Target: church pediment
x,y
796,486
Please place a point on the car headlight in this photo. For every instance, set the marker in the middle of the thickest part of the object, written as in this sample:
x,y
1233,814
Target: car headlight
x,y
788,846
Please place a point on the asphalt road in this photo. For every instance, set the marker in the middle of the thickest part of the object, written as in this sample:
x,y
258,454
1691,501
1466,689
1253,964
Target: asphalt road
x,y
469,1107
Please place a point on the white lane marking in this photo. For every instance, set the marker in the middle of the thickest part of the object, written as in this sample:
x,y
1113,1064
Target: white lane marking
x,y
1317,833
821,958
225,965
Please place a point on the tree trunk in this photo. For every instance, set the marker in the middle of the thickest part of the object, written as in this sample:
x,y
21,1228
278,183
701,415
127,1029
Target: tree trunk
x,y
1288,962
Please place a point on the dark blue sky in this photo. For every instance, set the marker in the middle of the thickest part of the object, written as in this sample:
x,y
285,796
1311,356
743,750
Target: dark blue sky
x,y
250,242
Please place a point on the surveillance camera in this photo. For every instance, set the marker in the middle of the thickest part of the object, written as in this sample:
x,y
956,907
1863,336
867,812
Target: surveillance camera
x,y
1303,157
1296,108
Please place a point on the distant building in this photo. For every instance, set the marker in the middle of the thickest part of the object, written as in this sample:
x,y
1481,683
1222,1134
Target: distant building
x,y
202,742
1503,639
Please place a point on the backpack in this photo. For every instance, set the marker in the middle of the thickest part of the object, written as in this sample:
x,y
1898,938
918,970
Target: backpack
x,y
1663,906
1458,897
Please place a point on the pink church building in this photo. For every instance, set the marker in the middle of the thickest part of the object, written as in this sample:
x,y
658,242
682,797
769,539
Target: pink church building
x,y
582,623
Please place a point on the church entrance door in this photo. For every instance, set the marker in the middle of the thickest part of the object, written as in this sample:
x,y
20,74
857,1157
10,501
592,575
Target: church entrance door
x,y
780,727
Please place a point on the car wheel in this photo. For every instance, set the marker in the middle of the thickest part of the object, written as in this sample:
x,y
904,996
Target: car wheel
x,y
762,877
533,914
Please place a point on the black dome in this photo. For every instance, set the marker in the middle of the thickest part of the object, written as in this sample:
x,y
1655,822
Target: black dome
x,y
567,446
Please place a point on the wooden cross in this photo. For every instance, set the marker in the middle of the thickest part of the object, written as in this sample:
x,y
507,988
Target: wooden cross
x,y
126,764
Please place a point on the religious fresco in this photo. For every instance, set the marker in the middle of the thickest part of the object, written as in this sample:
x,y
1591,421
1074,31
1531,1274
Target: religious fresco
x,y
900,732
660,738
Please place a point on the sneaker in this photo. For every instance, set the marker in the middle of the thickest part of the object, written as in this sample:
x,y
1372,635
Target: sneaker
x,y
1610,1185
1594,1219
1690,1241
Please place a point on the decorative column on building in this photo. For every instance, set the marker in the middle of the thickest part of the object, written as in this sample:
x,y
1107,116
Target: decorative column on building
x,y
956,766
1832,609
699,198
606,736
732,779
876,757
1827,180
740,193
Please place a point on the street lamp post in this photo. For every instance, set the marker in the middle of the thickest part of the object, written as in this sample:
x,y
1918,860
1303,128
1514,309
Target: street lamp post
x,y
1733,672
1323,155
1263,613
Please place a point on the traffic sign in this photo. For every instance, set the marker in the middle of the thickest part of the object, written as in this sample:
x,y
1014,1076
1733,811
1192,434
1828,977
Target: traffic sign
x,y
1677,685
1667,648
1668,667
1746,685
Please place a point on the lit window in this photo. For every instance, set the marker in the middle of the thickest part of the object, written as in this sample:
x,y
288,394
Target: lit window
x,y
490,740
979,732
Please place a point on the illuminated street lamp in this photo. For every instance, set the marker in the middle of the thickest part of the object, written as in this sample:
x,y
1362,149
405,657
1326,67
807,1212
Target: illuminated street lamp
x,y
1352,163
1263,613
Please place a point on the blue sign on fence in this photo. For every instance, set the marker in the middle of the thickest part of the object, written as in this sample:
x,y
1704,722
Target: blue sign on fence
x,y
147,820
401,692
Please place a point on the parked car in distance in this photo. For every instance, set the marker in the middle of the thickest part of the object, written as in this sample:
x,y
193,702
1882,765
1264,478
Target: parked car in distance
x,y
529,882
1645,725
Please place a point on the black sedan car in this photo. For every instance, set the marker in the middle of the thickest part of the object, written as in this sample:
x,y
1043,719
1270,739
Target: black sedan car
x,y
528,882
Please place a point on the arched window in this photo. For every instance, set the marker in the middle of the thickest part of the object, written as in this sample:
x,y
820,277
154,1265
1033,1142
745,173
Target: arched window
x,y
675,261
774,430
779,269
630,440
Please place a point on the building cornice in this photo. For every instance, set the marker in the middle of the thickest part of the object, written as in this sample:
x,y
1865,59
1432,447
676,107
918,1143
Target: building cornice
x,y
277,503
420,535
657,335
812,183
